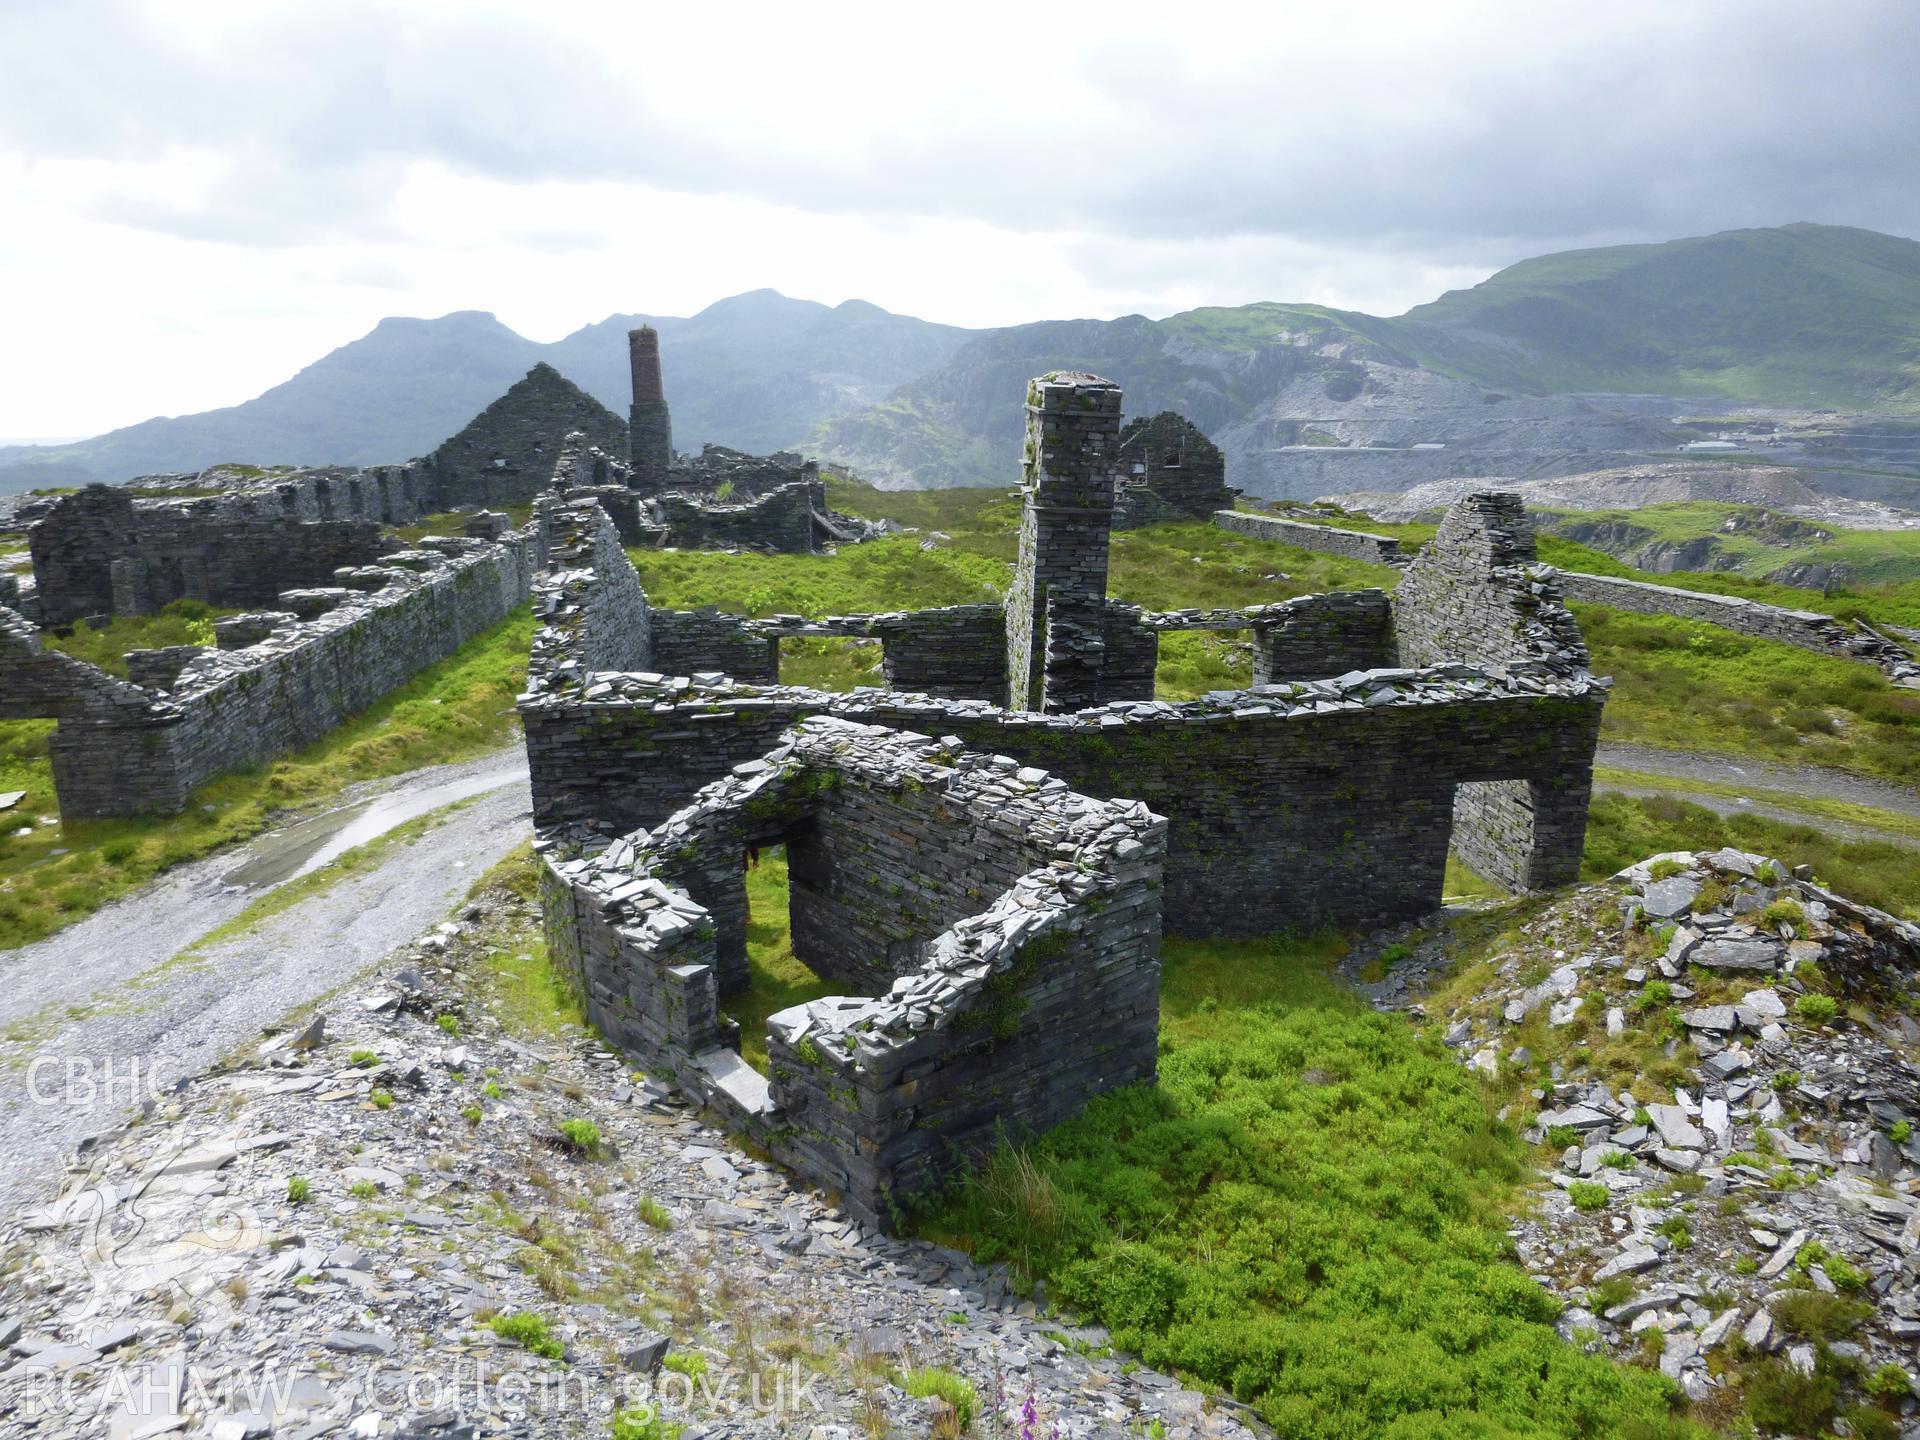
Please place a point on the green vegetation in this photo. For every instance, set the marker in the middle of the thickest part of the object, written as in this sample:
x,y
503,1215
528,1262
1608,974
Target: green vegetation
x,y
381,1099
582,1136
779,978
58,873
643,1422
1585,1195
1308,1211
1677,681
523,989
1783,912
299,1191
184,622
1816,1009
653,1213
363,1059
956,1390
529,1331
1750,544
1622,830
1678,319
451,522
690,1363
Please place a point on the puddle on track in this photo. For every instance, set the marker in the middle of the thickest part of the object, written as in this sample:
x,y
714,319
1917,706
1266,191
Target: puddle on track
x,y
304,847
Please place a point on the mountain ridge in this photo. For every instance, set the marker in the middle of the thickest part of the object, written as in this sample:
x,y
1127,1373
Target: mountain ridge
x,y
1503,372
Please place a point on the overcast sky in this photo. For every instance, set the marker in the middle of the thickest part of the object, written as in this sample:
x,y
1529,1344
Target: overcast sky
x,y
198,197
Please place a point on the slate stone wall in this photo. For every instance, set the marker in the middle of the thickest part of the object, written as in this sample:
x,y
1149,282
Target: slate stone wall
x,y
1322,635
1354,544
1169,470
780,520
227,709
1478,594
1011,924
1803,629
100,551
1296,805
37,683
506,454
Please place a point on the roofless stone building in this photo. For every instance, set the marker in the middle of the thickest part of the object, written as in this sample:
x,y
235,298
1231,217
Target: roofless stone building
x,y
1379,733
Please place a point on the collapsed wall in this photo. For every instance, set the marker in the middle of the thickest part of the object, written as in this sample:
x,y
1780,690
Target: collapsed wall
x,y
102,551
1479,590
1379,734
1291,806
124,749
998,933
1803,629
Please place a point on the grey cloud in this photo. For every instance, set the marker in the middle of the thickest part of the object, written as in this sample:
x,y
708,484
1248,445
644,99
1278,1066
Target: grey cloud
x,y
1700,117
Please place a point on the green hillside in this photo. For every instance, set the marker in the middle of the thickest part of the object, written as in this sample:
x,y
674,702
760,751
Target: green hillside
x,y
1802,315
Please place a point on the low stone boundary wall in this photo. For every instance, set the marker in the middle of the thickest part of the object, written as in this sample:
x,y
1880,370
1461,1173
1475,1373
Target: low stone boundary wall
x,y
227,709
1804,629
1003,932
1354,544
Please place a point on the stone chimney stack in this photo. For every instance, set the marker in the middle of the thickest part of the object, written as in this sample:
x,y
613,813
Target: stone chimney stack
x,y
1056,609
650,432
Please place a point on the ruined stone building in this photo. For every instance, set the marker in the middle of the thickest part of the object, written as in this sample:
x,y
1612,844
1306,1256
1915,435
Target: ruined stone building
x,y
1169,470
1016,769
506,453
276,680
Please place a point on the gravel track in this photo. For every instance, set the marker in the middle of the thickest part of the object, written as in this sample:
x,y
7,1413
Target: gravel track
x,y
101,996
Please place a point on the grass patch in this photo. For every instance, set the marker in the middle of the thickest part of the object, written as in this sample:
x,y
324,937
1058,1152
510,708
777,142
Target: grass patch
x,y
529,1331
779,978
451,711
451,522
956,1390
1679,681
521,988
1812,806
1309,1211
184,622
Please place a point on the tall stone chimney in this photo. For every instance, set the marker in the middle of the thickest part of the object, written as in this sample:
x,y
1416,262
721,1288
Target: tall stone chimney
x,y
1056,609
650,432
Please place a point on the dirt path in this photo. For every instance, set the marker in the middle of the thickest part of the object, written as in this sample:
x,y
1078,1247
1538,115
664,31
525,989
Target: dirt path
x,y
1816,781
84,1008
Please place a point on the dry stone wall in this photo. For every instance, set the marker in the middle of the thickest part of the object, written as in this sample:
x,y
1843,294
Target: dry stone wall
x,y
37,683
101,551
225,709
1003,929
1478,593
1056,610
1804,629
1307,803
1354,544
1299,802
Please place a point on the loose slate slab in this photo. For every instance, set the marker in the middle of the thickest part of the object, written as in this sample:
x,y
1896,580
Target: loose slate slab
x,y
1728,954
